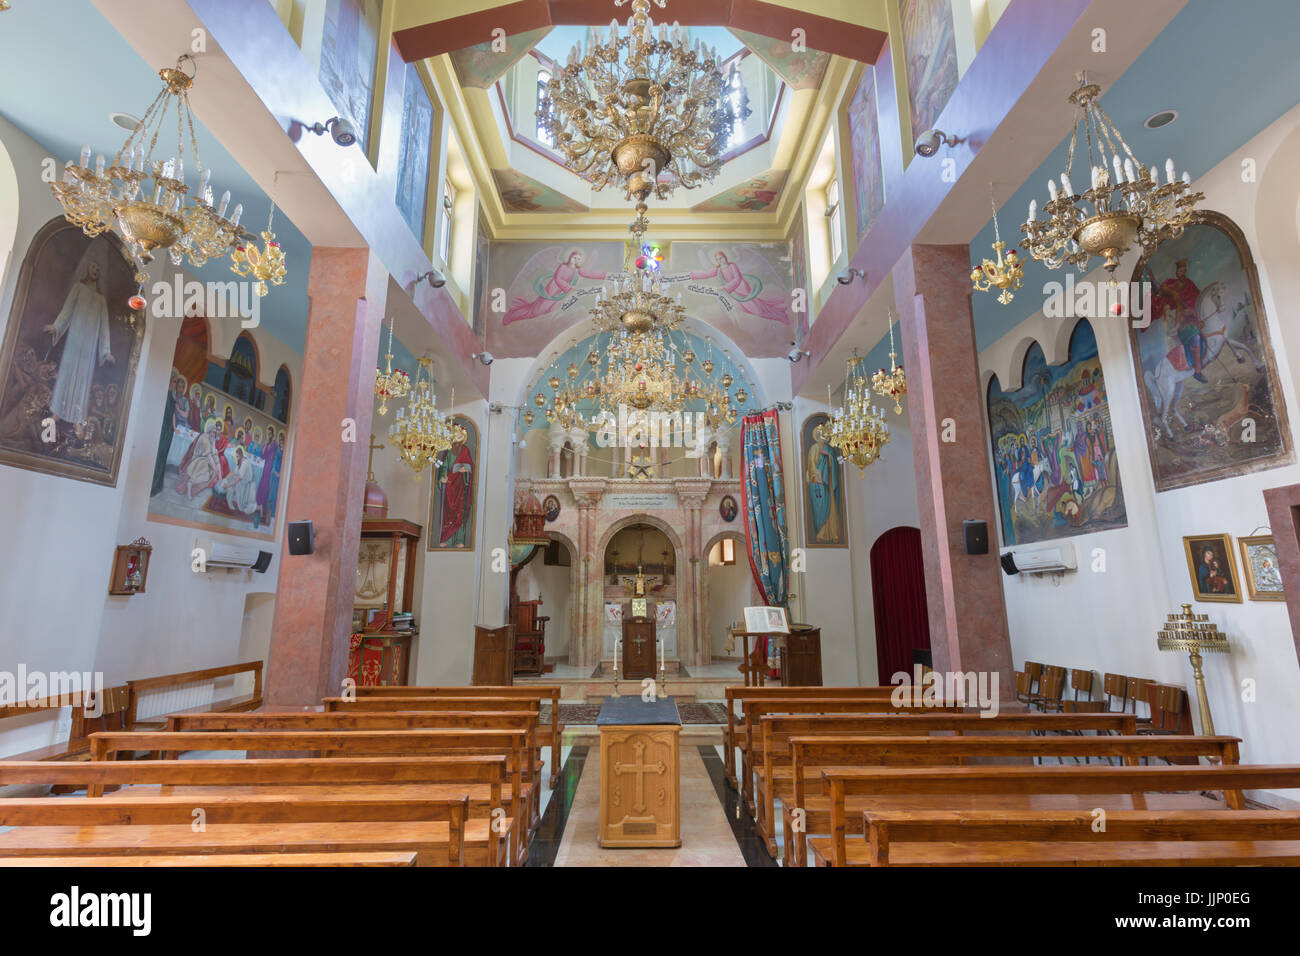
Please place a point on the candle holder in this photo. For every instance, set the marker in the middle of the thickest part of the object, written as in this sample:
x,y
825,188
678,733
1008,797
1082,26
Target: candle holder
x,y
1194,633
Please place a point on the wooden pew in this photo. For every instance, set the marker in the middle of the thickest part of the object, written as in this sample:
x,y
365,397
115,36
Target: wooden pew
x,y
259,860
334,743
392,780
998,788
733,695
112,706
811,755
135,688
435,830
1071,838
537,692
753,710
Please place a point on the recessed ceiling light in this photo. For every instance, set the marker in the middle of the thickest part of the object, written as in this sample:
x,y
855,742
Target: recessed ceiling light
x,y
125,120
1161,118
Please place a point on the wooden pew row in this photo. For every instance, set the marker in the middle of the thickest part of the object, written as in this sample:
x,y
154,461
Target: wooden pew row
x,y
391,780
436,831
536,692
354,721
734,695
811,755
752,711
331,744
1062,838
258,860
998,788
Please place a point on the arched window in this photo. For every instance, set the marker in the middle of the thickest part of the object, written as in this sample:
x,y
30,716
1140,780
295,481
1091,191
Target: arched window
x,y
240,380
283,392
543,78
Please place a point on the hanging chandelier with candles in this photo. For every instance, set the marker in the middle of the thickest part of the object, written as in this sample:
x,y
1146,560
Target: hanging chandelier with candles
x,y
642,110
265,264
856,429
391,382
117,196
1126,201
637,303
1006,275
891,384
421,432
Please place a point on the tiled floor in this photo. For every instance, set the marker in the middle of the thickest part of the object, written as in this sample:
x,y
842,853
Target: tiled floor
x,y
707,836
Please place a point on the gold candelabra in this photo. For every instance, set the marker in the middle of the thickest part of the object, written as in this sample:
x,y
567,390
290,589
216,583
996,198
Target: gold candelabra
x,y
265,264
390,383
421,432
856,429
891,384
648,111
637,303
1194,633
115,196
1007,274
1128,202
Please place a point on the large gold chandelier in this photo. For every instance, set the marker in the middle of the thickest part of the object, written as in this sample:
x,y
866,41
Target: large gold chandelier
x,y
637,303
645,111
1127,201
421,432
856,429
117,196
641,374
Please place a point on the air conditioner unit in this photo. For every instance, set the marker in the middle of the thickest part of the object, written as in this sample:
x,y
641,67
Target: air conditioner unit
x,y
1059,557
221,554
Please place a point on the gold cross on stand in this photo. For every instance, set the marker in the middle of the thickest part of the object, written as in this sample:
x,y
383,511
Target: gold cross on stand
x,y
641,768
370,462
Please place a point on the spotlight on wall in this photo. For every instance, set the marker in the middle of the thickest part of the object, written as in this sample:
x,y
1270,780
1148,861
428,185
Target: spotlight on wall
x,y
796,354
848,275
928,143
486,358
341,130
436,279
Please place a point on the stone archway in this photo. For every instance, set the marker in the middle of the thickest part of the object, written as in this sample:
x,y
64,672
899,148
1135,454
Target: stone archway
x,y
705,595
683,595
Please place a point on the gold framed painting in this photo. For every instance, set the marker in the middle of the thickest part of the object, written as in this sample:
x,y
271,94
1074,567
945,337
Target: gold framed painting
x,y
1212,569
1260,569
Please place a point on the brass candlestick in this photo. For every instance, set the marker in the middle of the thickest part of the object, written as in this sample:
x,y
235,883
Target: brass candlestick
x,y
1194,633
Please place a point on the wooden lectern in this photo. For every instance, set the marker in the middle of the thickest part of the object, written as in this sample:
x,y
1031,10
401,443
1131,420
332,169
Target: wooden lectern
x,y
640,779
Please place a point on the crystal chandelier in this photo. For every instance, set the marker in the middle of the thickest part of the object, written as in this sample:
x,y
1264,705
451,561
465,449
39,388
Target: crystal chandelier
x,y
1006,274
115,197
647,112
1128,202
891,384
856,429
635,303
641,374
390,383
421,433
264,265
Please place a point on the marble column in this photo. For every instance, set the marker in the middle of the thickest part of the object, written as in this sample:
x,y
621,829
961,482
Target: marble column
x,y
313,607
587,493
692,492
968,620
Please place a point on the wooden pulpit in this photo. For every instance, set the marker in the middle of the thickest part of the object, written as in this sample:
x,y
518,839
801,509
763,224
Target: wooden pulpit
x,y
639,645
640,779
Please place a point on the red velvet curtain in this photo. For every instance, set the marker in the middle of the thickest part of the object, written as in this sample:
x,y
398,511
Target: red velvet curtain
x,y
898,592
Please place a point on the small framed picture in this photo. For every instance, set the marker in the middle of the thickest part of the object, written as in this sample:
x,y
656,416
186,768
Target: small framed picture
x,y
1260,568
1212,568
766,620
551,505
727,508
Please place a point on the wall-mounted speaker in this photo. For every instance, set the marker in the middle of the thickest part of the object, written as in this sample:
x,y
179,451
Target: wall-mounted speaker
x,y
976,534
301,540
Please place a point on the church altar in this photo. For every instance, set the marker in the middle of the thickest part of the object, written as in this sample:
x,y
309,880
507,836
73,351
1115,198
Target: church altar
x,y
640,779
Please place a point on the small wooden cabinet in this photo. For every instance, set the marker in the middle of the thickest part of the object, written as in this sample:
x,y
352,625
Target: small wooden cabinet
x,y
494,656
380,654
801,656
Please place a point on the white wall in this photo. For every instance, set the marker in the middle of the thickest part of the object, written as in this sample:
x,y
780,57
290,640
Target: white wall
x,y
1107,620
54,577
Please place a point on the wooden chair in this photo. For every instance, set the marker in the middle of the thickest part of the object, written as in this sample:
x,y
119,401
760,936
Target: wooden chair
x,y
1136,691
1033,672
1051,687
1115,687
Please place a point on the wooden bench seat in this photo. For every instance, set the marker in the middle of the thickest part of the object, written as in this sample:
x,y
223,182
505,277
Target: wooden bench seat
x,y
534,692
217,859
809,756
1092,781
239,702
1055,838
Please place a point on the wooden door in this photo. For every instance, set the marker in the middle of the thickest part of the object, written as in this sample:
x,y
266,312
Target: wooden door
x,y
638,647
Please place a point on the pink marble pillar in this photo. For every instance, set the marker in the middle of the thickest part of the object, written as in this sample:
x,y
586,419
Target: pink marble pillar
x,y
314,593
1284,519
968,619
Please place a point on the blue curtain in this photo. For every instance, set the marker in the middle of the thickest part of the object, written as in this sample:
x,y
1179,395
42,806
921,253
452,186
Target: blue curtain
x,y
763,499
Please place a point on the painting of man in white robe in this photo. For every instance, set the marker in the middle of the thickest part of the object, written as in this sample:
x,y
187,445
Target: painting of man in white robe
x,y
71,342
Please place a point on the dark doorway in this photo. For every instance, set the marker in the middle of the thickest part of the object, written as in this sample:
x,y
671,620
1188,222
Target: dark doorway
x,y
898,593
